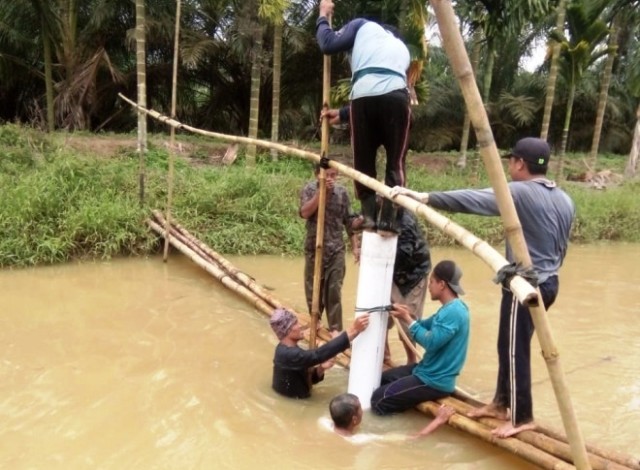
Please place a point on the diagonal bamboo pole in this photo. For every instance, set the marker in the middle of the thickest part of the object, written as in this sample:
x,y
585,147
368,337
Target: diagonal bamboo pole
x,y
454,46
228,281
322,203
523,291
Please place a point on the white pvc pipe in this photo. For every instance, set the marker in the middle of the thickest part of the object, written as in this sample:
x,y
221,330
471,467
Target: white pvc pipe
x,y
377,257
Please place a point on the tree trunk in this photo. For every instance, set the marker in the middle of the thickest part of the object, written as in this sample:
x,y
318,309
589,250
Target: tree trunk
x,y
277,68
254,108
172,137
48,79
466,125
604,93
553,72
488,77
142,90
565,134
632,163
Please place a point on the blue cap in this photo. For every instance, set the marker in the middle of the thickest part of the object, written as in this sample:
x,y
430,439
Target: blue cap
x,y
531,149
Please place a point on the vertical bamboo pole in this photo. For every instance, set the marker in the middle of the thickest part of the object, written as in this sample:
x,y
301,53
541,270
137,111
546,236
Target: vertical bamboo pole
x,y
322,189
172,138
454,46
141,74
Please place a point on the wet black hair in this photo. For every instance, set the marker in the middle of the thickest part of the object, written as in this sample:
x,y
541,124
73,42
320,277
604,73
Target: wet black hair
x,y
343,408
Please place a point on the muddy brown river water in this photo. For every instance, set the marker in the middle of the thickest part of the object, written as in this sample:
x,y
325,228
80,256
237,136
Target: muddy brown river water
x,y
137,364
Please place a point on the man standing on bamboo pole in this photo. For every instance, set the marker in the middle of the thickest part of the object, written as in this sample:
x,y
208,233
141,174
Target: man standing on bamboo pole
x,y
546,214
338,218
380,112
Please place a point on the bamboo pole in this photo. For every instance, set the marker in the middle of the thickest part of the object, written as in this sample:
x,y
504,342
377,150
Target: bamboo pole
x,y
233,285
322,202
172,137
318,265
454,46
550,445
207,253
202,250
521,449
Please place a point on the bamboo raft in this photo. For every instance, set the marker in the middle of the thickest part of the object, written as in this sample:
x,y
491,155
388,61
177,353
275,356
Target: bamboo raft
x,y
545,447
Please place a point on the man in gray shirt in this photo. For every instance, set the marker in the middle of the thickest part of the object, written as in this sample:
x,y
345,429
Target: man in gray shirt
x,y
546,214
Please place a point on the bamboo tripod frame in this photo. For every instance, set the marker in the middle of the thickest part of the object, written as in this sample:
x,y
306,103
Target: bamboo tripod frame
x,y
544,447
523,291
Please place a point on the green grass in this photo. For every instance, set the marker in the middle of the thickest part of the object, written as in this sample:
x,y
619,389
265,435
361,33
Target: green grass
x,y
58,205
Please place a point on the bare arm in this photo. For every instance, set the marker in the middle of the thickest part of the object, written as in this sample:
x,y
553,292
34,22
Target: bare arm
x,y
310,207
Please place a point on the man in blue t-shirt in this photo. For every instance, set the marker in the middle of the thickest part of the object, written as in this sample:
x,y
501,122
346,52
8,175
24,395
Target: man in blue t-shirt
x,y
379,112
445,338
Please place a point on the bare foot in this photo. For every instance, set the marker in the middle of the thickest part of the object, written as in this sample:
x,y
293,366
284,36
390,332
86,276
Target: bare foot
x,y
508,429
491,410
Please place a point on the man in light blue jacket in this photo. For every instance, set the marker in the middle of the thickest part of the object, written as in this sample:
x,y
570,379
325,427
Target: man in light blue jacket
x,y
379,113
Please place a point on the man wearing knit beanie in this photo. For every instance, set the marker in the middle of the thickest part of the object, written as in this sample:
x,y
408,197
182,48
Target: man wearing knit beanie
x,y
292,364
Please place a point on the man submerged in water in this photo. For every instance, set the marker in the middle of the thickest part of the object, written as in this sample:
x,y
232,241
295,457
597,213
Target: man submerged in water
x,y
346,415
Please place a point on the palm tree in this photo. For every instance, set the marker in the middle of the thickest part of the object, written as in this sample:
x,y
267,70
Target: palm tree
x,y
19,23
604,92
624,16
586,31
553,70
633,82
141,63
172,138
277,69
270,10
466,124
500,23
277,18
47,18
256,71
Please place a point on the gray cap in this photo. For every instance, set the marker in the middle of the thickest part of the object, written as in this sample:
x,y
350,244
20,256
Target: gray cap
x,y
449,272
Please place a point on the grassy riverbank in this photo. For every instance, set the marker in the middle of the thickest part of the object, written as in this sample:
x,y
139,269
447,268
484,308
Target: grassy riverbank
x,y
63,201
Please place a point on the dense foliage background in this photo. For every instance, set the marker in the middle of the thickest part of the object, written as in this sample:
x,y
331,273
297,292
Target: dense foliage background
x,y
85,50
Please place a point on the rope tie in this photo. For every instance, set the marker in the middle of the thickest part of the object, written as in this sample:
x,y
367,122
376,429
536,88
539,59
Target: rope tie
x,y
381,308
324,162
507,272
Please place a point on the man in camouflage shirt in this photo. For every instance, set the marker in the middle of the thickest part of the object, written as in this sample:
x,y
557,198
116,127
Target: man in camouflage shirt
x,y
338,217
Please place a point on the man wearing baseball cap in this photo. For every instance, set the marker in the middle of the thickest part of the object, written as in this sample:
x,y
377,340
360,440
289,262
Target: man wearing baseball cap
x,y
546,214
445,338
